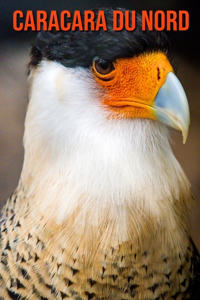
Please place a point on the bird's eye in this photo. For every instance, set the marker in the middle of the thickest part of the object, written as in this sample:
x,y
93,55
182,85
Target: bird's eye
x,y
103,67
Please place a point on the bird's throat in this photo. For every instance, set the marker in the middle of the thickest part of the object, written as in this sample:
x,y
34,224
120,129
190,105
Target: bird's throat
x,y
110,189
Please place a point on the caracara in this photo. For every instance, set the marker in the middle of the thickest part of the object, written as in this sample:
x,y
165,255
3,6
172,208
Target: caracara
x,y
102,206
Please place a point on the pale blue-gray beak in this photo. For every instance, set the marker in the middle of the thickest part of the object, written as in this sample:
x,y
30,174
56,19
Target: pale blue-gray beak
x,y
171,105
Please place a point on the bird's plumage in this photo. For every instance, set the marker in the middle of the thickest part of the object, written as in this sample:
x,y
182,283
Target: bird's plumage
x,y
102,207
79,48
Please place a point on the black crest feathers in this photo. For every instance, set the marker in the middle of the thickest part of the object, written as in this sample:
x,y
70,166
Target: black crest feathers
x,y
79,48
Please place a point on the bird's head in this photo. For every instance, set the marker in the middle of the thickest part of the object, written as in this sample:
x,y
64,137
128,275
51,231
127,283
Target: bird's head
x,y
128,71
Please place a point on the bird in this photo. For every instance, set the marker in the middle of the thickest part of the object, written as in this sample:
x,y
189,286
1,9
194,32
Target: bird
x,y
102,207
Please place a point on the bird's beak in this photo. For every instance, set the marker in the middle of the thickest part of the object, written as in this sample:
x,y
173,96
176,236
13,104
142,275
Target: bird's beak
x,y
171,105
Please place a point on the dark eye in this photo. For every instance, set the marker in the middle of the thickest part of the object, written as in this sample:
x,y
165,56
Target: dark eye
x,y
103,67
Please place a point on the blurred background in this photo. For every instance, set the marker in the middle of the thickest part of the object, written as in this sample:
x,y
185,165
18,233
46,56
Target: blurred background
x,y
14,52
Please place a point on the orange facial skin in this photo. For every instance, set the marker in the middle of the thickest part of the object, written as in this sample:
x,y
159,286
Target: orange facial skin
x,y
131,88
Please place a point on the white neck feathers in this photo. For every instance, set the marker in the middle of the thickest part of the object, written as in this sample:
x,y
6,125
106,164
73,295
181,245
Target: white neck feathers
x,y
80,163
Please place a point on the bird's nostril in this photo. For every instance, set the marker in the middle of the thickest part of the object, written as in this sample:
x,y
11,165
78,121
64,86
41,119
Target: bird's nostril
x,y
158,73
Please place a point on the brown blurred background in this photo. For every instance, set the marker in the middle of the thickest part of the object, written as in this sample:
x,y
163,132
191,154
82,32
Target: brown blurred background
x,y
14,52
